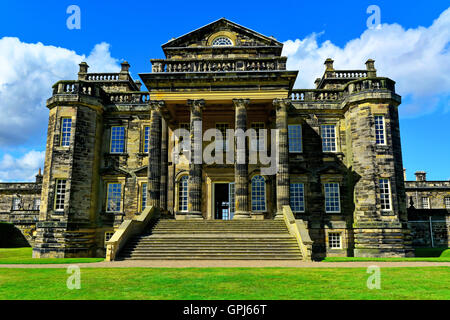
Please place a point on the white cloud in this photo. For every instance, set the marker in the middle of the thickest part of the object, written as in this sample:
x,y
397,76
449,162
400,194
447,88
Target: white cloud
x,y
417,59
27,73
21,169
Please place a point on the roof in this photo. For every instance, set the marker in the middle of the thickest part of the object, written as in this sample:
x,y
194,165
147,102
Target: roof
x,y
174,42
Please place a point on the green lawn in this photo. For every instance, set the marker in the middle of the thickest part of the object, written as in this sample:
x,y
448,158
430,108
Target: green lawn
x,y
23,256
425,254
226,283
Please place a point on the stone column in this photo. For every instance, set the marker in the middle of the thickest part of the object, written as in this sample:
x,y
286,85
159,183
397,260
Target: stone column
x,y
241,169
195,163
281,106
164,166
154,155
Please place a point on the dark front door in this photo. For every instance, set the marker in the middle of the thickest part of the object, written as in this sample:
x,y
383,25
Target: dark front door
x,y
221,201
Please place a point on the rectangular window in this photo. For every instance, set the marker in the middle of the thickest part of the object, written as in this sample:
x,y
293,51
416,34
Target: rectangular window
x,y
380,130
223,128
447,202
144,197
146,138
334,240
114,197
425,203
295,138
328,138
66,128
37,204
332,198
108,236
297,195
258,142
117,139
385,195
183,194
16,203
60,194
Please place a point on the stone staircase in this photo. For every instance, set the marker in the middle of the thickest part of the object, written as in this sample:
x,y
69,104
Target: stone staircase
x,y
214,240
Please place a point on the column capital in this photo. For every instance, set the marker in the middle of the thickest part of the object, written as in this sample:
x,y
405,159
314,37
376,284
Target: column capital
x,y
281,103
157,105
199,103
241,102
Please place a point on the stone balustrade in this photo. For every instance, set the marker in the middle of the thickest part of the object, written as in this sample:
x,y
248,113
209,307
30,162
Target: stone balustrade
x,y
347,74
129,97
102,76
356,86
91,89
316,95
219,65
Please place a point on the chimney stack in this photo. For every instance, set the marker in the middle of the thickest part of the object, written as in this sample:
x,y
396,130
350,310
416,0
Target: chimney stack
x,y
370,67
39,177
329,64
83,71
421,176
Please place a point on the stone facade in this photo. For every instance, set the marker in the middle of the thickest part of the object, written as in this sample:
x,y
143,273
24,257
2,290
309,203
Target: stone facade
x,y
119,154
20,204
429,211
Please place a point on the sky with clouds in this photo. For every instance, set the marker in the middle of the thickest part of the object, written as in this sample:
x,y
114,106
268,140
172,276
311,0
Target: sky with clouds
x,y
411,47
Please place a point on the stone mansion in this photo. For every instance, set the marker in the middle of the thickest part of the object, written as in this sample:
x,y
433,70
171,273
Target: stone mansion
x,y
338,190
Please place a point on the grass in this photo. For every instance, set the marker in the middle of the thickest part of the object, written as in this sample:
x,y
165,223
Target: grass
x,y
226,284
423,254
23,256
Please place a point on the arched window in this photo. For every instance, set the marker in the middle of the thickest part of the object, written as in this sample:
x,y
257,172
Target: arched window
x,y
183,194
222,41
258,193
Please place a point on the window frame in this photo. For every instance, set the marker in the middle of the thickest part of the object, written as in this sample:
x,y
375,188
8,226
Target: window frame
x,y
15,206
301,138
447,202
36,200
57,201
302,200
111,140
338,197
377,130
143,195
332,234
334,125
145,139
183,178
62,133
107,197
389,194
428,205
106,236
265,194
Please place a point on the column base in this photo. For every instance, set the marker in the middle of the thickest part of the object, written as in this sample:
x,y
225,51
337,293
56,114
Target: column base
x,y
279,215
239,215
194,215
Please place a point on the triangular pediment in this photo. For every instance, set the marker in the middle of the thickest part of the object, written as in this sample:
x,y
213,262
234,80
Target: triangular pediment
x,y
239,35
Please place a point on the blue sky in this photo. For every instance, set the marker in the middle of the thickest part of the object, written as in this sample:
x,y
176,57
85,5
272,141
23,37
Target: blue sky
x,y
113,31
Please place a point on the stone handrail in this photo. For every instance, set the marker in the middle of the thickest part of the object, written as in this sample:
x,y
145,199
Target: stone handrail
x,y
76,87
129,97
128,229
298,229
102,76
316,95
214,65
352,87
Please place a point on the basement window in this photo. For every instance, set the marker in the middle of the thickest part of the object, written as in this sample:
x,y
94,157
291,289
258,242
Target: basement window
x,y
334,240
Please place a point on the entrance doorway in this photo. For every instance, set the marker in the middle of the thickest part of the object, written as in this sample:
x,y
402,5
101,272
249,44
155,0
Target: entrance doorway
x,y
223,201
